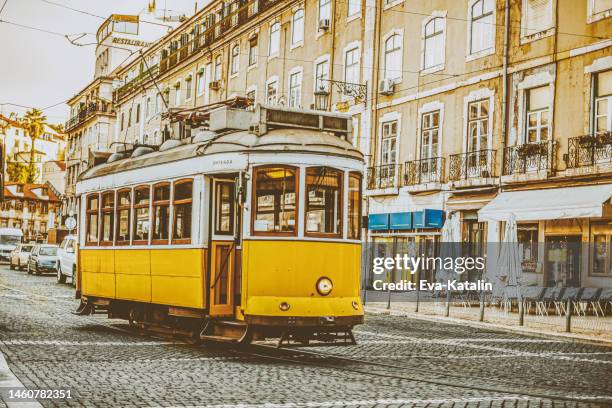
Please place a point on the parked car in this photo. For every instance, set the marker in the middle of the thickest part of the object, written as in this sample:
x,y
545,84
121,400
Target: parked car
x,y
43,259
9,239
66,263
20,255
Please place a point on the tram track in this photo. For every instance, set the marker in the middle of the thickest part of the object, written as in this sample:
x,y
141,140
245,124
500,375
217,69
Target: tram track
x,y
348,364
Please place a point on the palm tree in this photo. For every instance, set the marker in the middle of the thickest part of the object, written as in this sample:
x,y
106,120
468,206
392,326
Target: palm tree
x,y
33,122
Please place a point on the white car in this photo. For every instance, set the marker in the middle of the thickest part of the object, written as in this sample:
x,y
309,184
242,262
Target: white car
x,y
9,239
66,265
20,255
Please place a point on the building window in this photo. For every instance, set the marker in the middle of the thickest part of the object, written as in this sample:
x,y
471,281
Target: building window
x,y
295,89
218,68
251,94
107,218
224,207
322,76
478,125
482,33
323,201
235,66
142,224
158,103
324,12
148,107
177,94
129,118
188,88
252,53
527,237
393,57
123,216
353,8
161,213
537,16
351,66
598,8
388,143
430,134
200,82
274,45
537,115
275,200
93,202
297,27
137,113
183,196
433,43
603,102
271,92
354,206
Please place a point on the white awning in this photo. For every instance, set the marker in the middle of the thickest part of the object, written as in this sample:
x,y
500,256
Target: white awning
x,y
548,204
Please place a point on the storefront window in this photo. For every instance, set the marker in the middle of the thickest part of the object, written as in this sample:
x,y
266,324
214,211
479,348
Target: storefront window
x,y
275,200
141,215
601,254
354,206
527,236
183,195
323,201
161,213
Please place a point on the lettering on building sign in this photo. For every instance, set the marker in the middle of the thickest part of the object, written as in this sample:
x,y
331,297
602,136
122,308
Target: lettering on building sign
x,y
128,41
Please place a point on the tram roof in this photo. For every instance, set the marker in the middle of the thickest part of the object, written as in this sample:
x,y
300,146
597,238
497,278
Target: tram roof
x,y
281,140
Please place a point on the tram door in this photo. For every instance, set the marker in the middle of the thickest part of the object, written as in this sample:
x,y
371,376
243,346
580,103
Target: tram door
x,y
223,248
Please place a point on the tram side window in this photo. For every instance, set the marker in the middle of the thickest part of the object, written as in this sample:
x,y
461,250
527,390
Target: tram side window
x,y
183,193
354,206
107,218
275,200
92,219
323,201
141,215
161,213
123,216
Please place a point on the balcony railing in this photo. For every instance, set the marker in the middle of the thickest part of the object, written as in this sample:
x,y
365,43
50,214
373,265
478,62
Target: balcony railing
x,y
423,171
382,176
529,157
589,150
85,113
476,164
136,82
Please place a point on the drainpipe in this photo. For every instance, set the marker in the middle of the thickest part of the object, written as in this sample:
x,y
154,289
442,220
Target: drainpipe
x,y
505,80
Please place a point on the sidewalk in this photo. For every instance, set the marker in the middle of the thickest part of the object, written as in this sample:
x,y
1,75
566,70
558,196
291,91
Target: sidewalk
x,y
584,328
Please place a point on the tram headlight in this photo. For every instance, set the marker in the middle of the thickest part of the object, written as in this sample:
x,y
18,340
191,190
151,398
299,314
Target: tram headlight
x,y
324,286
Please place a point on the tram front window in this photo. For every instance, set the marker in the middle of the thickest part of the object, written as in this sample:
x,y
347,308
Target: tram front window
x,y
141,215
123,216
92,218
275,200
107,220
161,212
323,201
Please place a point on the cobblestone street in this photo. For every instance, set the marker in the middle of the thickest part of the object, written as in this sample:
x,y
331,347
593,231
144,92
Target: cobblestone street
x,y
397,362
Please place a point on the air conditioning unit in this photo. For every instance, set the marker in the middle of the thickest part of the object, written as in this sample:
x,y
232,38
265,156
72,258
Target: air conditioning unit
x,y
324,24
386,87
215,85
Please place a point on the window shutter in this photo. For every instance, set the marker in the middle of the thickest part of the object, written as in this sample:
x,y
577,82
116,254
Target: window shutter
x,y
538,16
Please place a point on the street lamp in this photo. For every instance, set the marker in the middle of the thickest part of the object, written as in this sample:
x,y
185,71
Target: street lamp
x,y
321,98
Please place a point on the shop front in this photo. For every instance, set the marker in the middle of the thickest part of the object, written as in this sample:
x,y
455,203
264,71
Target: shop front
x,y
564,234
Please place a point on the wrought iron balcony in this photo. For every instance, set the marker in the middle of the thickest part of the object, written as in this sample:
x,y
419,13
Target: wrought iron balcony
x,y
423,171
476,164
529,157
382,176
136,82
589,150
86,113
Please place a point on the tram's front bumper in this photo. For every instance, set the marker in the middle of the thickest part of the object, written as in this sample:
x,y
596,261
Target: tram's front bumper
x,y
303,311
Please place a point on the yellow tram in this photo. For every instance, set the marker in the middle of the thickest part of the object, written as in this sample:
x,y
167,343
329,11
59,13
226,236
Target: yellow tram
x,y
248,230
